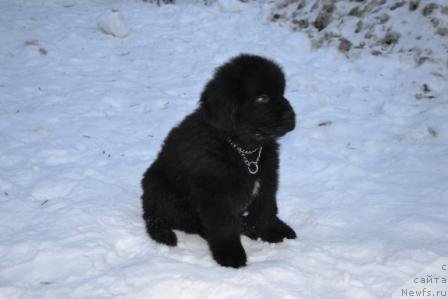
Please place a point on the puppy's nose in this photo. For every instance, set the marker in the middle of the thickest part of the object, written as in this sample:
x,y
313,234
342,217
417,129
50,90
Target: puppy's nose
x,y
288,115
288,121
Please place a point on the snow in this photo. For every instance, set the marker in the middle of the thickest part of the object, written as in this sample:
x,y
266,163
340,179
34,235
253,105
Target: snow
x,y
413,30
363,178
113,24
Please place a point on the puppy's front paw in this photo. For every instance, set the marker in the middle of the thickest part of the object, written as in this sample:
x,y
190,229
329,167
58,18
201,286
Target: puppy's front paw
x,y
229,254
276,231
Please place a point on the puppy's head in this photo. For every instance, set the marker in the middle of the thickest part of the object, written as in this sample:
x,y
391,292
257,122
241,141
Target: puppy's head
x,y
245,99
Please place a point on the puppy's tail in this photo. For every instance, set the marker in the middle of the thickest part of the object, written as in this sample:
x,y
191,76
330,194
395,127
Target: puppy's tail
x,y
159,231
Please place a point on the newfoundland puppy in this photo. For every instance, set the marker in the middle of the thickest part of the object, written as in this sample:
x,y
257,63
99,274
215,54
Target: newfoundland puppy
x,y
217,172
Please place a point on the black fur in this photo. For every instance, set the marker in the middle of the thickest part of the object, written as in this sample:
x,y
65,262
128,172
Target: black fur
x,y
199,182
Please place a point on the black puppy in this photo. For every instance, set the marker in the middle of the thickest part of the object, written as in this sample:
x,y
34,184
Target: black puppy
x,y
216,174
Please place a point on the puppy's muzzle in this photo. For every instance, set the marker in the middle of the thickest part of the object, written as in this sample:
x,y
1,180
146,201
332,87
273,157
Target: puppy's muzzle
x,y
287,120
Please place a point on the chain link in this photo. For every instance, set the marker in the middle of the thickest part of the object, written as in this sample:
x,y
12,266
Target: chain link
x,y
252,166
240,149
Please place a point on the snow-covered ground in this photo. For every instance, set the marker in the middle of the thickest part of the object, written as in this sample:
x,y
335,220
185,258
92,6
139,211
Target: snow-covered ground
x,y
364,177
412,30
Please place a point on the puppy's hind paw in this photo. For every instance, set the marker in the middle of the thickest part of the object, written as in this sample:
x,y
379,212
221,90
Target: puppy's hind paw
x,y
167,237
161,233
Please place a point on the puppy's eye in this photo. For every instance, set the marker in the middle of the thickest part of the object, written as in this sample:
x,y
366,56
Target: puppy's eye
x,y
262,99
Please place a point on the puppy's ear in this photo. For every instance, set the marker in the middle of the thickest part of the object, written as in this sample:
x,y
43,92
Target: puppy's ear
x,y
219,103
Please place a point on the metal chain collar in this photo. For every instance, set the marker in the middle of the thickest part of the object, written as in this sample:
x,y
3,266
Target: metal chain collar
x,y
252,166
